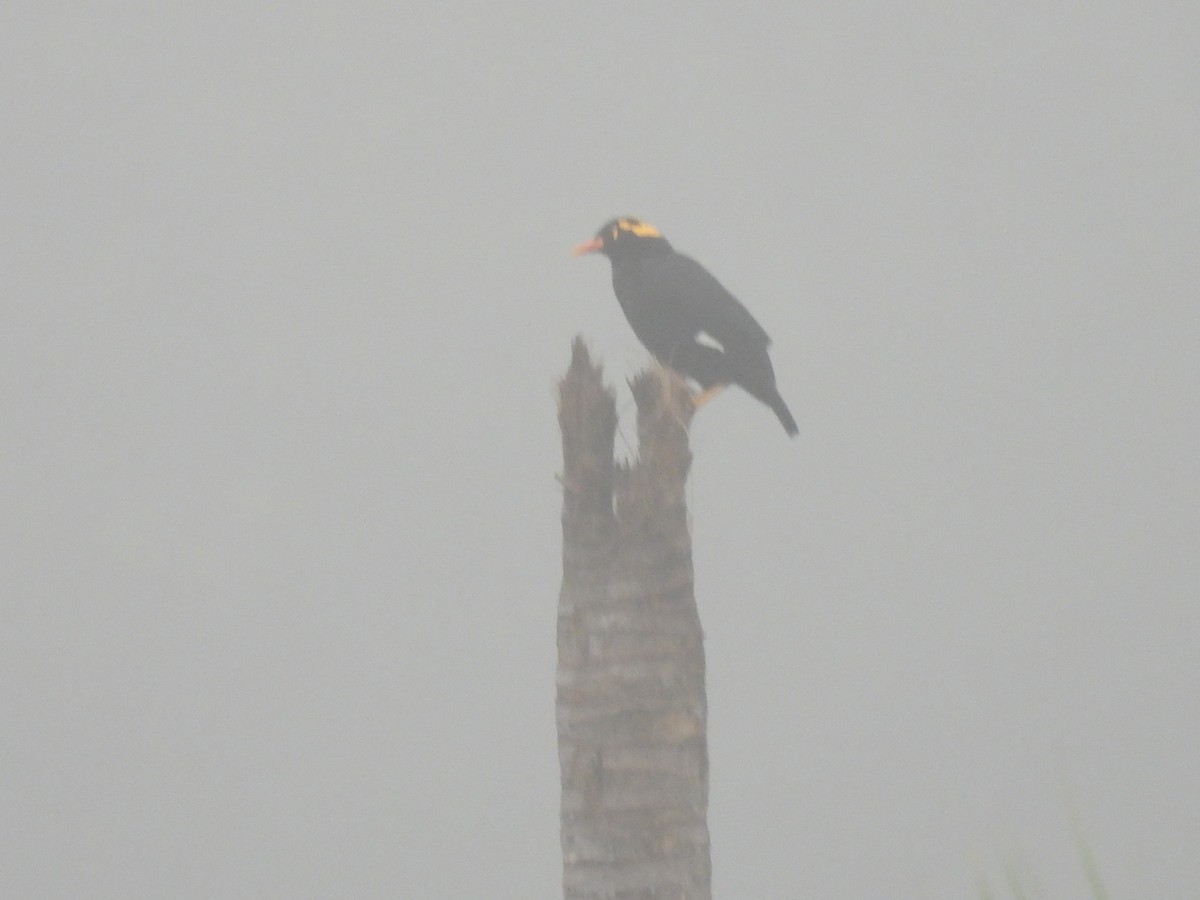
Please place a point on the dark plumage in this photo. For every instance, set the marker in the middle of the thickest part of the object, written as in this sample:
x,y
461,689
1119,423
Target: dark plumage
x,y
671,300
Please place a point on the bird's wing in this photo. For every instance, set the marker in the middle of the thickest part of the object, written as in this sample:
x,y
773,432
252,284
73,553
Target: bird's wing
x,y
694,296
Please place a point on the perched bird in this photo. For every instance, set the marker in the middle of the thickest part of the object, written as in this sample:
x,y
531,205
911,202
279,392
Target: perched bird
x,y
685,317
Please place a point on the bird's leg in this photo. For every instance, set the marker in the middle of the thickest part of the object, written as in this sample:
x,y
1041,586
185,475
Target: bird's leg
x,y
707,394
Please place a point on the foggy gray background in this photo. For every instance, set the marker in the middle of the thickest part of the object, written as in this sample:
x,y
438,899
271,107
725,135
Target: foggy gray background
x,y
286,289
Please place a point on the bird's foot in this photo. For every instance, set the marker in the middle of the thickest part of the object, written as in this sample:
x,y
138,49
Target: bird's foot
x,y
707,394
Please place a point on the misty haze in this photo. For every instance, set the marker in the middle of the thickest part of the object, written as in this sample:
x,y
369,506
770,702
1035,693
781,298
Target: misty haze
x,y
287,294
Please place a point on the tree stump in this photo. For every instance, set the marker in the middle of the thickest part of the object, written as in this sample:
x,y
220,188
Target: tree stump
x,y
631,706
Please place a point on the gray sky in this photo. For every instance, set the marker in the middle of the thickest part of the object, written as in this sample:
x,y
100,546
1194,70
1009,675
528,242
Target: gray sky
x,y
285,294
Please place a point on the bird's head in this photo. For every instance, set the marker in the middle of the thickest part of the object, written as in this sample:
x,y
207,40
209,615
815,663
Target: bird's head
x,y
625,236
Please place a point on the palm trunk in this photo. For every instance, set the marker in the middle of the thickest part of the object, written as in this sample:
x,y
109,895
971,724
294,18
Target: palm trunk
x,y
632,711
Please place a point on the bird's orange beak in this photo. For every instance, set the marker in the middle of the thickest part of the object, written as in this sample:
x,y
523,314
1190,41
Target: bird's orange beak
x,y
588,247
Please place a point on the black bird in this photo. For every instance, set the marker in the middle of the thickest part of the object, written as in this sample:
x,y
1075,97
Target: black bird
x,y
671,301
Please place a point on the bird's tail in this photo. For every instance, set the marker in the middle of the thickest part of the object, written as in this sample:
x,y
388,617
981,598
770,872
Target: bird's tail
x,y
775,401
769,394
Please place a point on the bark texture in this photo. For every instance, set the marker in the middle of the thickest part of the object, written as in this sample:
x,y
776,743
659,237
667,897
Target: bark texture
x,y
632,709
